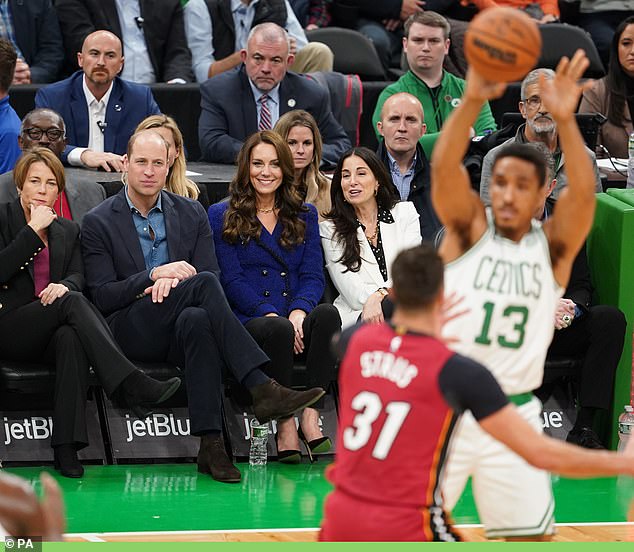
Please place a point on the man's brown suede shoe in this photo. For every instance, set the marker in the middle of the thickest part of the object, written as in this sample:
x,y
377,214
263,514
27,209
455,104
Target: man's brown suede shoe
x,y
272,400
213,459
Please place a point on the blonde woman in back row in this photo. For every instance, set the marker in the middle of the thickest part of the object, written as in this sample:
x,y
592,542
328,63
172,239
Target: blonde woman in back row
x,y
300,131
177,181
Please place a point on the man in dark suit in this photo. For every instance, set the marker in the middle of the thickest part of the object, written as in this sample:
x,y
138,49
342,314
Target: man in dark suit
x,y
100,109
401,125
238,103
593,333
152,32
45,128
38,40
151,269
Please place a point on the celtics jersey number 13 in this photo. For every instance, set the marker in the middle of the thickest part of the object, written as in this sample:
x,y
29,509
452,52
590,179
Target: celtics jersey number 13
x,y
511,294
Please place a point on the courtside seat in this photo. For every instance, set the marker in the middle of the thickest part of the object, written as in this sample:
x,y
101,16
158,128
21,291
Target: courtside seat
x,y
26,407
561,39
354,53
556,368
26,377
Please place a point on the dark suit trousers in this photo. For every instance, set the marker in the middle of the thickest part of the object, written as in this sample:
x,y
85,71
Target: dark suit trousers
x,y
276,336
194,328
597,337
72,334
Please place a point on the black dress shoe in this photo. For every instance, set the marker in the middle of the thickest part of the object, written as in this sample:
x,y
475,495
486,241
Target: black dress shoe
x,y
585,437
213,459
139,392
66,461
272,400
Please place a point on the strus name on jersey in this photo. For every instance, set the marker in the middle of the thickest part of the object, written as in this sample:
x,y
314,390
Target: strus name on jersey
x,y
381,364
507,277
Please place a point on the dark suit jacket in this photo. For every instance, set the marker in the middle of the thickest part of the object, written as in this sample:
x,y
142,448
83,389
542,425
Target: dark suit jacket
x,y
128,105
163,28
580,287
115,269
19,245
81,200
39,38
419,192
229,114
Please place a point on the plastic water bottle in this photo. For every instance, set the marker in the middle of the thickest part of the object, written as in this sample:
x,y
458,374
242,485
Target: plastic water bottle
x,y
626,424
630,161
259,437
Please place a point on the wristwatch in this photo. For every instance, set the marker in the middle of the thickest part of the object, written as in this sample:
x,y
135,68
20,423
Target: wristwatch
x,y
383,291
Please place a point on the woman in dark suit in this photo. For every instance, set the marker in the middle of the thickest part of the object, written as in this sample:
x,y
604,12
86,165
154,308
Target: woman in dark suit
x,y
45,317
267,243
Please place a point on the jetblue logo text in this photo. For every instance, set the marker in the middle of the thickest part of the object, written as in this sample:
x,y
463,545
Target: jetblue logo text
x,y
36,427
158,425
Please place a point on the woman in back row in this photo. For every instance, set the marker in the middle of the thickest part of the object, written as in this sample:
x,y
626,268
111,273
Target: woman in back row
x,y
613,96
300,130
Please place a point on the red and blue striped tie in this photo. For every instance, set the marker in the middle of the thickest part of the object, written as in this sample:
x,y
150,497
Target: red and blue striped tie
x,y
265,113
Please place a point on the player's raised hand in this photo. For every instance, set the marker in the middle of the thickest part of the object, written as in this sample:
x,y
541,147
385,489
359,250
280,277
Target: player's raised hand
x,y
560,95
480,89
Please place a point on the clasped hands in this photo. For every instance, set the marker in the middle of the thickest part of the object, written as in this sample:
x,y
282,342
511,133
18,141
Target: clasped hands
x,y
166,277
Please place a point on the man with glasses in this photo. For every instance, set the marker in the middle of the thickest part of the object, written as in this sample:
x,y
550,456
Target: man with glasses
x,y
539,127
45,128
101,110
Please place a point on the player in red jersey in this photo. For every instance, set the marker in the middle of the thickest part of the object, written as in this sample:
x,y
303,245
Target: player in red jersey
x,y
401,391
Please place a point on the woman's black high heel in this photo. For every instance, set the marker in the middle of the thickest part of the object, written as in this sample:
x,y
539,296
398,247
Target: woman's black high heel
x,y
316,446
287,456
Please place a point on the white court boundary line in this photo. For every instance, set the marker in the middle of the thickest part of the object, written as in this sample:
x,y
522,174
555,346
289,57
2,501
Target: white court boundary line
x,y
96,537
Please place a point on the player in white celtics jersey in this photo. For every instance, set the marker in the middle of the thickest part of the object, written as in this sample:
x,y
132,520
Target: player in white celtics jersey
x,y
511,271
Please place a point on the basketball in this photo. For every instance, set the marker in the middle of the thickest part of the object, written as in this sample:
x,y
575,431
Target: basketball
x,y
502,44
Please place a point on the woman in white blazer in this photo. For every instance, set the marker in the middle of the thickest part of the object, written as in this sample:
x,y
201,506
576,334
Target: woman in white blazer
x,y
362,234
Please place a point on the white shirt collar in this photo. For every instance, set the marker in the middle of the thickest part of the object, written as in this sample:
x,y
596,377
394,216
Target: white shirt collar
x,y
89,96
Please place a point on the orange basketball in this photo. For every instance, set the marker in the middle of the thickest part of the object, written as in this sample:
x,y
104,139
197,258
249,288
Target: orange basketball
x,y
502,44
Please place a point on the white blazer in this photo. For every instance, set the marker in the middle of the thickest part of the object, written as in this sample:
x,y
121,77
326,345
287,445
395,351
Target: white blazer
x,y
355,287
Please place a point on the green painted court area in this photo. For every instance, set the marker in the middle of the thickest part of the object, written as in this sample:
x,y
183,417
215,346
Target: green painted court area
x,y
174,497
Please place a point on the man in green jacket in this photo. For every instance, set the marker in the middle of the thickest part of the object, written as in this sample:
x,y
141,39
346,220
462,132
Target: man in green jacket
x,y
426,42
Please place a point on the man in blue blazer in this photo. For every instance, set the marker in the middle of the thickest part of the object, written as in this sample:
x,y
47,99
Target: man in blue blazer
x,y
231,102
152,271
100,109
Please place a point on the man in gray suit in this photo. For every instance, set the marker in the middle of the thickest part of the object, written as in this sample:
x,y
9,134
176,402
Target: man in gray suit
x,y
45,127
